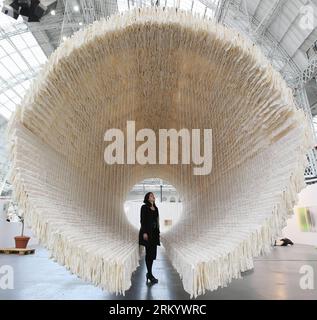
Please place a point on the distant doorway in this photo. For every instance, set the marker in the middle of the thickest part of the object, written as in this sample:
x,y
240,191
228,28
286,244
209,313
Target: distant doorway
x,y
168,201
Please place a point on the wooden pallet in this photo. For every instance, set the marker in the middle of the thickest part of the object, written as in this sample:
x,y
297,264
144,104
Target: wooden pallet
x,y
20,251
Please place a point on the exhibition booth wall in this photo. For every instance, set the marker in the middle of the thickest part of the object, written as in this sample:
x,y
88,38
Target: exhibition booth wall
x,y
294,230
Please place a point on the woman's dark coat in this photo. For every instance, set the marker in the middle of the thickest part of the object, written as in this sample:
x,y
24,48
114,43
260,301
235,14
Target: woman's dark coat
x,y
150,224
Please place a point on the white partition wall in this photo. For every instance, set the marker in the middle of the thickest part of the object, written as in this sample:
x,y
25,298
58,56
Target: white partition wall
x,y
307,198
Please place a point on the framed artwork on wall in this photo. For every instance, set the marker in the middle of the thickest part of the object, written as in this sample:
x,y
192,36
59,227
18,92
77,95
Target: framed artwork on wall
x,y
307,218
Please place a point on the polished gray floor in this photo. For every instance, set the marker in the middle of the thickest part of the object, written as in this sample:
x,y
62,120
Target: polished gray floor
x,y
276,276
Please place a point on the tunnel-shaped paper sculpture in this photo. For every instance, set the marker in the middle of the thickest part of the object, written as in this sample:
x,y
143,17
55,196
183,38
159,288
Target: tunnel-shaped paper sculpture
x,y
161,69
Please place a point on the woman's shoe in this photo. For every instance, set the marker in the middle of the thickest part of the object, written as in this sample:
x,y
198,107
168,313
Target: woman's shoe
x,y
151,278
148,278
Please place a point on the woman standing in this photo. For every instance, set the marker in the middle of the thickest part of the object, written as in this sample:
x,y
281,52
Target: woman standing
x,y
149,234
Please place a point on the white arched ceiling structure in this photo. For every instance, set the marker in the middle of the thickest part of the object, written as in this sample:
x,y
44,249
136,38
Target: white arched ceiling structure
x,y
163,69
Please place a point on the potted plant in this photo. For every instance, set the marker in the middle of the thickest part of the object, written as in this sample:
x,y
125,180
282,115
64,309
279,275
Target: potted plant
x,y
14,215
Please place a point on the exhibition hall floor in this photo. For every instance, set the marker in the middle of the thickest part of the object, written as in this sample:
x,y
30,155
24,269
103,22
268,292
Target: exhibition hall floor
x,y
276,276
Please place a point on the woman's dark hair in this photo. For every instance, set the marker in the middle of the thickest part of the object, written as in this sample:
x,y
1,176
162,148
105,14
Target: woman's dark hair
x,y
146,199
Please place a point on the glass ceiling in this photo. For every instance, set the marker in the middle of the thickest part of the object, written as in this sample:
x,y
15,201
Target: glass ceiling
x,y
190,5
20,60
